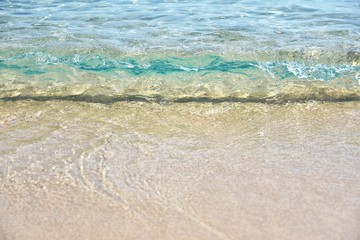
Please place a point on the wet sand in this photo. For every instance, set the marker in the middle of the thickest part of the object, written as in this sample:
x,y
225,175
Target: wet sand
x,y
75,170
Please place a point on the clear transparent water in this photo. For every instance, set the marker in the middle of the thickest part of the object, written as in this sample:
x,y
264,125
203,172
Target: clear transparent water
x,y
176,50
179,166
182,25
136,170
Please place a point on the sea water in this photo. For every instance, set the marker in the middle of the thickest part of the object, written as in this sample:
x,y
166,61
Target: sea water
x,y
165,119
180,50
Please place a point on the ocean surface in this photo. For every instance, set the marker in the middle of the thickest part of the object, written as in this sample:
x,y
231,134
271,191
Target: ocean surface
x,y
169,119
106,51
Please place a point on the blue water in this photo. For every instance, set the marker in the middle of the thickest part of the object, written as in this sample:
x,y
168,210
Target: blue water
x,y
256,50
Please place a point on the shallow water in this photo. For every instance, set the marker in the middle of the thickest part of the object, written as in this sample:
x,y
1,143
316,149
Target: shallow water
x,y
179,119
181,25
75,170
180,50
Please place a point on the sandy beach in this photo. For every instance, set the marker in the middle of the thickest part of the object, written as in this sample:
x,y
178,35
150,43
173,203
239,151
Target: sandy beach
x,y
77,170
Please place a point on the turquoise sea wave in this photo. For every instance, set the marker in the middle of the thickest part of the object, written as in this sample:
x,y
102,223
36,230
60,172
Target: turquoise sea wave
x,y
40,63
36,75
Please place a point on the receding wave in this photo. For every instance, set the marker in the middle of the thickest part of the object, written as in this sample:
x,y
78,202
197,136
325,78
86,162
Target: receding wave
x,y
209,78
